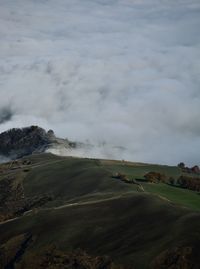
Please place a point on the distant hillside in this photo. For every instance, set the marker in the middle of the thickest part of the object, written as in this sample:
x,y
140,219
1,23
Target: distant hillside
x,y
19,142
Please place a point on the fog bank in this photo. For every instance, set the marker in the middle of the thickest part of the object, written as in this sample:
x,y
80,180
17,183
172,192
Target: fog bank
x,y
124,74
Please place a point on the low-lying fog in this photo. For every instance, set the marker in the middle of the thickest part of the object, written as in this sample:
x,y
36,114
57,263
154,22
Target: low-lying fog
x,y
124,74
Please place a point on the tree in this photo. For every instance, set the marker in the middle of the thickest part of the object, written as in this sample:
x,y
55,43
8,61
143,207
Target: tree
x,y
171,180
181,165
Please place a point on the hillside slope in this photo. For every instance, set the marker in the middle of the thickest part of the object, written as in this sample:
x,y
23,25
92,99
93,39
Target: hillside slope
x,y
73,210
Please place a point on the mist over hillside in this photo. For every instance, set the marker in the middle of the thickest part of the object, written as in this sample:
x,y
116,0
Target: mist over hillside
x,y
123,74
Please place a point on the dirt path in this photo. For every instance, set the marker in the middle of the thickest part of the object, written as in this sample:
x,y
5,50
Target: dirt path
x,y
46,163
61,207
88,202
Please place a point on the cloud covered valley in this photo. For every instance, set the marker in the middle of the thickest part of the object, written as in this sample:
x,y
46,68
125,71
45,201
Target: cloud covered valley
x,y
120,74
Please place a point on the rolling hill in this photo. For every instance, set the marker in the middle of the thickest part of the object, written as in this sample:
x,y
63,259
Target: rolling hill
x,y
66,212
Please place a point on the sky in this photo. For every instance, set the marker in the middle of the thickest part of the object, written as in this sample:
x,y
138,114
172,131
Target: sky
x,y
120,74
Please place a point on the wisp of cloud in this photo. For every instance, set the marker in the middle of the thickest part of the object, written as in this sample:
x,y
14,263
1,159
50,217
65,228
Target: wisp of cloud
x,y
124,74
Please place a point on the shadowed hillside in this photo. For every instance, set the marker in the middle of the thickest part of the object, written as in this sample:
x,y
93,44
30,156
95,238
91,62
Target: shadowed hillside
x,y
69,212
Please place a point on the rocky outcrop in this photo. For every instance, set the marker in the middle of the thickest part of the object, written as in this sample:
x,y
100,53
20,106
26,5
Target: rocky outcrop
x,y
18,142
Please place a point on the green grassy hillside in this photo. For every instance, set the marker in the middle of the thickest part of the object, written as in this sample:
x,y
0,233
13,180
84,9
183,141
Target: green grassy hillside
x,y
137,170
73,203
179,196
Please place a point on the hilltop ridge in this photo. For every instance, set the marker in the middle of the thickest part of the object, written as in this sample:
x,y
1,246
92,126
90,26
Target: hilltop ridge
x,y
19,142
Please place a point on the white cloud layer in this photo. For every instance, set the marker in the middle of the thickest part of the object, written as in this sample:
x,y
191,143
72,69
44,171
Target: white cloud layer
x,y
126,72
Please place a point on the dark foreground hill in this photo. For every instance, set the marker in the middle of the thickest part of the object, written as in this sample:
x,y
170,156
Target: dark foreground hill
x,y
64,212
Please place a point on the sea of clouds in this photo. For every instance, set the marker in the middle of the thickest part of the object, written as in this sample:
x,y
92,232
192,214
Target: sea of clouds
x,y
121,74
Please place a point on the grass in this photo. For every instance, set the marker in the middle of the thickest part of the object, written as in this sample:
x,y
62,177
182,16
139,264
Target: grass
x,y
130,226
179,196
72,178
123,228
138,171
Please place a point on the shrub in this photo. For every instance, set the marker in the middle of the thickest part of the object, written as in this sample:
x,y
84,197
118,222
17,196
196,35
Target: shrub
x,y
155,177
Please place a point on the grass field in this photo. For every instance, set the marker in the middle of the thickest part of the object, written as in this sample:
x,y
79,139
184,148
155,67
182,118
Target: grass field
x,y
93,211
179,196
123,228
139,170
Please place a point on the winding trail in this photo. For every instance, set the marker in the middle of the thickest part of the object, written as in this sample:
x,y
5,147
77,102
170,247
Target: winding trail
x,y
35,211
